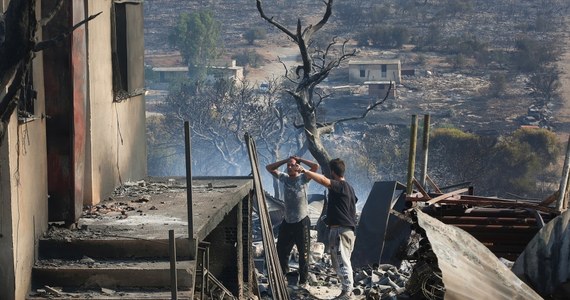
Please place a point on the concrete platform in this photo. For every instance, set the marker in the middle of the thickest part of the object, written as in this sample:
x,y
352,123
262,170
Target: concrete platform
x,y
121,244
160,205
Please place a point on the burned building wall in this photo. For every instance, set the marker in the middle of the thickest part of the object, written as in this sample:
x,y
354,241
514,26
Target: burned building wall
x,y
230,258
23,187
116,141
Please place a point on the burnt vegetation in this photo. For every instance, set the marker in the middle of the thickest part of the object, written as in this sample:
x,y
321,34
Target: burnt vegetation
x,y
482,69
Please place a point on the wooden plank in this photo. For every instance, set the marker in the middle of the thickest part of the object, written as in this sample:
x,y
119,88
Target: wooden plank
x,y
550,199
498,203
446,195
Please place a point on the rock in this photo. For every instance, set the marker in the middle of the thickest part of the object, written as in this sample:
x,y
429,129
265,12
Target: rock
x,y
107,291
317,251
258,251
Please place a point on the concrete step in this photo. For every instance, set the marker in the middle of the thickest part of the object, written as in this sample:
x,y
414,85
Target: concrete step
x,y
112,274
111,248
105,294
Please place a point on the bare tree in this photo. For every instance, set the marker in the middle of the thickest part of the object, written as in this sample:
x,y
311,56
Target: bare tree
x,y
219,116
309,75
545,84
316,66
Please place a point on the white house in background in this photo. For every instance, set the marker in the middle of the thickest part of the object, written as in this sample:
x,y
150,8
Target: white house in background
x,y
218,69
380,75
379,70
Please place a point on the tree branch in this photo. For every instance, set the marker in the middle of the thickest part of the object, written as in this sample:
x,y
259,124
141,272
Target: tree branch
x,y
310,30
368,109
274,23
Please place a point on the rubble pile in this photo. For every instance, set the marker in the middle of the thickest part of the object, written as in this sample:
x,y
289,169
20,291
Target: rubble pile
x,y
426,277
417,276
135,193
381,282
142,188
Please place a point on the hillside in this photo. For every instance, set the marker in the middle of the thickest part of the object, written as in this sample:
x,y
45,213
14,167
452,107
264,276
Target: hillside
x,y
469,59
455,94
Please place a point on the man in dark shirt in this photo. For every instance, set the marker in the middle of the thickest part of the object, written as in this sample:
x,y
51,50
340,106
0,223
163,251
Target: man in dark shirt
x,y
341,219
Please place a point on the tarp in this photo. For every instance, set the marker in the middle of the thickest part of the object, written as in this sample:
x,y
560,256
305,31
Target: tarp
x,y
469,269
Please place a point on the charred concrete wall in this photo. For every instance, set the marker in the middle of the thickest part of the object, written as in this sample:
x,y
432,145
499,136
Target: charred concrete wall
x,y
230,252
116,140
115,147
23,190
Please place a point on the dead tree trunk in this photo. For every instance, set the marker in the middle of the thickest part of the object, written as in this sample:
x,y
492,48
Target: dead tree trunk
x,y
309,75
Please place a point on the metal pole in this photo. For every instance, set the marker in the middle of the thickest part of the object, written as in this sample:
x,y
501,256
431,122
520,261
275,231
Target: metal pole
x,y
187,144
425,149
173,277
564,181
412,154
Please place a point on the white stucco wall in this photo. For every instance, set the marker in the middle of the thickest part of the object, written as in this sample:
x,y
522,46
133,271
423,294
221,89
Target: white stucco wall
x,y
116,138
23,195
373,71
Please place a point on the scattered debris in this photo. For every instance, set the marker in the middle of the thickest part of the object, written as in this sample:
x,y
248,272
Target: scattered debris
x,y
52,291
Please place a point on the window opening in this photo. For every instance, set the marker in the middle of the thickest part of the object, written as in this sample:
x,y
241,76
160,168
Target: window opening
x,y
127,49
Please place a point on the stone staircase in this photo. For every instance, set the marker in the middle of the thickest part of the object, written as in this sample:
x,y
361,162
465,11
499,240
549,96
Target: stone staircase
x,y
111,268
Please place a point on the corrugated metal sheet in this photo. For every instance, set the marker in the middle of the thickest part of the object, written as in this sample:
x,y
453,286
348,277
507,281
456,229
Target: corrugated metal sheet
x,y
545,262
469,269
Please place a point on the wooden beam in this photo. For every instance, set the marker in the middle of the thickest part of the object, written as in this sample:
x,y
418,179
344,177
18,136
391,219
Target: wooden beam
x,y
412,153
550,199
433,185
421,189
491,202
446,195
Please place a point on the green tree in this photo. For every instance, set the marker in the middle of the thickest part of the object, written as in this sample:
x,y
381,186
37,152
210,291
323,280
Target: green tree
x,y
533,54
197,37
384,37
456,156
521,163
543,142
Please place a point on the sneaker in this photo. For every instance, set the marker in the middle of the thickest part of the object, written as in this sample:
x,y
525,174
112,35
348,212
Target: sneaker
x,y
344,295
